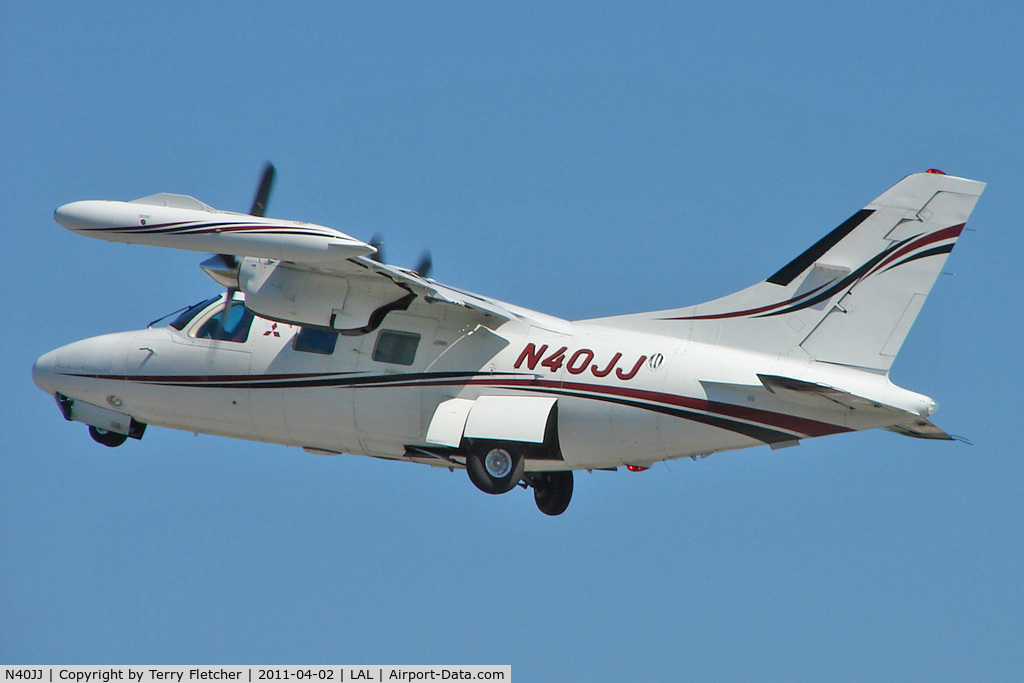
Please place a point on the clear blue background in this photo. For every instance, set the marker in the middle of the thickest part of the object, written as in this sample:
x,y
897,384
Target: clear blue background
x,y
580,159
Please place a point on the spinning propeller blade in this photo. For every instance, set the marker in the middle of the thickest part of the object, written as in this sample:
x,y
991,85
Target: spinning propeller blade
x,y
259,202
224,267
377,242
425,265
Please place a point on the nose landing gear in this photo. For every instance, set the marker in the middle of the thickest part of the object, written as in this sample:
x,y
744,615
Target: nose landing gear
x,y
107,438
111,434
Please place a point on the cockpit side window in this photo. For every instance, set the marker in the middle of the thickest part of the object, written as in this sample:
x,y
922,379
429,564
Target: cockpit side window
x,y
191,312
231,323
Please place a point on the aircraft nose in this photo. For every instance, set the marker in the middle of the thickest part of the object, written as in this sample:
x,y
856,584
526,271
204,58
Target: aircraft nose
x,y
70,216
43,372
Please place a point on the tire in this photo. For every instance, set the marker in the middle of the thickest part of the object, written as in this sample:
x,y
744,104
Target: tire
x,y
495,469
107,438
552,491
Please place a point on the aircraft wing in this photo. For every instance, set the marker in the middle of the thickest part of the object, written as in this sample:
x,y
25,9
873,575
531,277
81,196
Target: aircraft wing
x,y
431,290
350,295
290,271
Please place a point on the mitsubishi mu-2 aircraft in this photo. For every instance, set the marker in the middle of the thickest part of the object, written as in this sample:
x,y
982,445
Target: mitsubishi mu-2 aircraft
x,y
319,343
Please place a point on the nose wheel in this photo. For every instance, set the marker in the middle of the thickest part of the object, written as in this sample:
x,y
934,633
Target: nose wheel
x,y
106,437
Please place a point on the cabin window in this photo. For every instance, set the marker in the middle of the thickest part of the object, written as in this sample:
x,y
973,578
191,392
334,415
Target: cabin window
x,y
230,323
315,340
396,347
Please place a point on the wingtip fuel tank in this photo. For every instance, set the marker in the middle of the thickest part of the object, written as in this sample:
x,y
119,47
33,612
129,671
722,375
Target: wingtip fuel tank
x,y
185,223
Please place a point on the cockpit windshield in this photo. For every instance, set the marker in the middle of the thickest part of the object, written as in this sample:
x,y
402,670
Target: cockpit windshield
x,y
191,312
230,323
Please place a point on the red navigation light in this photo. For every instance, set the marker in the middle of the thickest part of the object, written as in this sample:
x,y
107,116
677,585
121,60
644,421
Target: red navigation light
x,y
935,170
636,468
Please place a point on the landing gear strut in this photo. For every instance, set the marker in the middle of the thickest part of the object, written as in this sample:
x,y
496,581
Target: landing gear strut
x,y
106,437
552,491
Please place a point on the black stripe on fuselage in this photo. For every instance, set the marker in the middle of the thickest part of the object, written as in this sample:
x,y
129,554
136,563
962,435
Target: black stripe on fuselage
x,y
753,431
343,379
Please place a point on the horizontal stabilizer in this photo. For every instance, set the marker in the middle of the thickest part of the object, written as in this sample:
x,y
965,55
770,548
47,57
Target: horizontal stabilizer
x,y
887,402
821,392
920,428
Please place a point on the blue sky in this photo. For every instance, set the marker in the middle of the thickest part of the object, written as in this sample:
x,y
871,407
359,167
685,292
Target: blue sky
x,y
580,160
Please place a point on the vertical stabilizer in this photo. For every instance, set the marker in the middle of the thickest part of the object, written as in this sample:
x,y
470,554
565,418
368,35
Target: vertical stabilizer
x,y
851,297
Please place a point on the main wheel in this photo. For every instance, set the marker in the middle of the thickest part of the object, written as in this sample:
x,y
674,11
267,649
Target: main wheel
x,y
107,438
552,491
495,470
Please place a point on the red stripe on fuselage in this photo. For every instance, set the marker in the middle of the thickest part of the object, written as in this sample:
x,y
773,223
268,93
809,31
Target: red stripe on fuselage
x,y
753,311
790,423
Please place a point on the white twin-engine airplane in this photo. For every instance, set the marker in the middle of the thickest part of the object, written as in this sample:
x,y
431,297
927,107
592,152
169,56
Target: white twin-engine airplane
x,y
320,344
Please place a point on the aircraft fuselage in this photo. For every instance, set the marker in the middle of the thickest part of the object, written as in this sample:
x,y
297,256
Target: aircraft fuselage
x,y
624,398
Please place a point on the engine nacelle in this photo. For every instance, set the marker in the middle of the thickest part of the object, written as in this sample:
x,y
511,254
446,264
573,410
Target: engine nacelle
x,y
290,293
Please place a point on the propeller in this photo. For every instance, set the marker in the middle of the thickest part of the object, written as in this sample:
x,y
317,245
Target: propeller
x,y
377,242
224,267
259,202
423,266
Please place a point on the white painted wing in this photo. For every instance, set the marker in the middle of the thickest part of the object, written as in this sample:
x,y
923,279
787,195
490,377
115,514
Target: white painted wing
x,y
349,295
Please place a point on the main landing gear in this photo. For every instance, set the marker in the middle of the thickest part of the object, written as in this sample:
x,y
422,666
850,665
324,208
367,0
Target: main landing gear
x,y
498,469
495,470
552,491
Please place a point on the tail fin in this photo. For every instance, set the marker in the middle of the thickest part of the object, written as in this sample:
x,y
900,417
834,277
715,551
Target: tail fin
x,y
850,298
